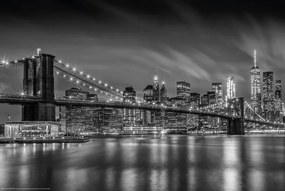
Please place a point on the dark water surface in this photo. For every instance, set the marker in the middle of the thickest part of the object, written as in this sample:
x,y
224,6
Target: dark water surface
x,y
173,163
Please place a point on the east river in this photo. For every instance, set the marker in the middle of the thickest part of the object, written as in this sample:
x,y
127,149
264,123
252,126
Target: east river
x,y
171,163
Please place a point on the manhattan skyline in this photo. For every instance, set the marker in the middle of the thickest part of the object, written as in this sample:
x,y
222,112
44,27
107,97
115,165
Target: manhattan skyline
x,y
112,40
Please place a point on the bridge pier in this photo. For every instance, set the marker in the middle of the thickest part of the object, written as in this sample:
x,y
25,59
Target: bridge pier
x,y
235,127
39,82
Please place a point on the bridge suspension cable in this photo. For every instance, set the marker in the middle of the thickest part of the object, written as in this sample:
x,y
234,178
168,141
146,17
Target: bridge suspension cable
x,y
81,78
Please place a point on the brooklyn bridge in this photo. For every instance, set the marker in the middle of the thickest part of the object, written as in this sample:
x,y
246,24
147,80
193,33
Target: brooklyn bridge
x,y
39,102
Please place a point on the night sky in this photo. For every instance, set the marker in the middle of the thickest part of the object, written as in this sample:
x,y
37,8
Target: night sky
x,y
123,42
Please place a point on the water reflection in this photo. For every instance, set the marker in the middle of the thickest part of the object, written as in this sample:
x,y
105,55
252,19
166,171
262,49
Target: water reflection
x,y
147,163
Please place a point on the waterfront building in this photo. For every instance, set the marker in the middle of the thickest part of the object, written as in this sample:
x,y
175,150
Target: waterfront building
x,y
218,88
268,95
255,86
79,119
31,129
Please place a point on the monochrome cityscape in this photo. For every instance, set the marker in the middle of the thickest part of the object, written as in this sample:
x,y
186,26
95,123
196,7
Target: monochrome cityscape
x,y
142,95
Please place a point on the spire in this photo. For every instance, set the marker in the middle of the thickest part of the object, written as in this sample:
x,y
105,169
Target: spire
x,y
254,58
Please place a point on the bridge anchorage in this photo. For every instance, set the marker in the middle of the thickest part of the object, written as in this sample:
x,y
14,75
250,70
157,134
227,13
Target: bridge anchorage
x,y
39,102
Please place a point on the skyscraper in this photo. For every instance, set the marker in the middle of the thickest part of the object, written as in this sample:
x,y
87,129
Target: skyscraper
x,y
268,95
183,89
129,95
231,88
218,88
163,93
155,88
255,86
211,97
278,99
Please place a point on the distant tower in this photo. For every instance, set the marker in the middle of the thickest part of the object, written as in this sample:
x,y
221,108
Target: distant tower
x,y
155,88
163,93
255,86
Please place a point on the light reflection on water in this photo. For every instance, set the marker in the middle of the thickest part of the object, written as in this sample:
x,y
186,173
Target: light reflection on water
x,y
148,163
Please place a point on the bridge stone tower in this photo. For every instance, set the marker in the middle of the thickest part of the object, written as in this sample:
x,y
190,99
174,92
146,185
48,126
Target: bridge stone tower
x,y
236,125
39,82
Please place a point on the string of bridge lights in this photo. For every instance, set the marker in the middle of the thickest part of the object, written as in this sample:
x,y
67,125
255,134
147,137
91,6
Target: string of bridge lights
x,y
91,80
78,82
89,77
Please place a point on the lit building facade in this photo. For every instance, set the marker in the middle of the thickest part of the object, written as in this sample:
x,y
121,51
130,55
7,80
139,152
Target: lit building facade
x,y
148,93
231,88
31,129
218,88
255,87
129,95
156,89
268,95
278,100
78,119
194,100
183,89
129,115
204,100
211,97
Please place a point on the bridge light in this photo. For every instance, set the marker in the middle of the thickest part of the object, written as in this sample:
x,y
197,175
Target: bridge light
x,y
100,81
84,84
59,61
16,61
77,81
117,90
111,87
74,69
90,87
67,65
121,92
64,75
71,79
81,72
95,89
57,72
93,79
88,76
106,84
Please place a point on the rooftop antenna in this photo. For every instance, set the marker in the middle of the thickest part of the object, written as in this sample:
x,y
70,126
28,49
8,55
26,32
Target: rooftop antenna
x,y
255,58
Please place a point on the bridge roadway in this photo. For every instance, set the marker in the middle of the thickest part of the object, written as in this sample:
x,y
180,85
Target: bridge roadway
x,y
22,100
